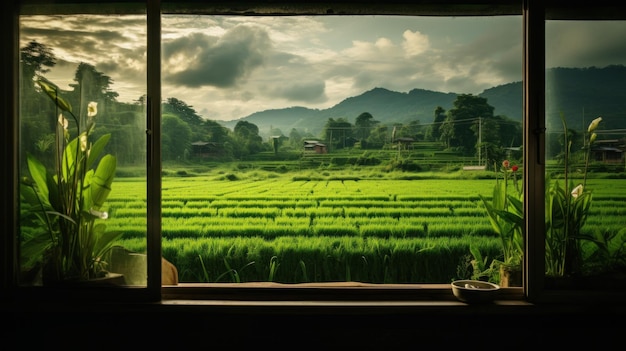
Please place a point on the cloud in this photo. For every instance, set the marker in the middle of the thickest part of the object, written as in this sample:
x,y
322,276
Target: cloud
x,y
96,40
230,66
415,43
585,43
311,92
492,58
199,60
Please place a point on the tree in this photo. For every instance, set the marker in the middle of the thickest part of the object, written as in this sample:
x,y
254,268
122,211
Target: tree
x,y
176,137
496,134
34,58
247,137
295,138
379,137
214,131
434,132
337,132
92,85
460,128
363,125
183,111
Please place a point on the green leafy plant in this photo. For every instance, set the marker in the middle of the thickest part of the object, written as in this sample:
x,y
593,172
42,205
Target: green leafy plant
x,y
506,214
482,267
67,236
607,253
567,208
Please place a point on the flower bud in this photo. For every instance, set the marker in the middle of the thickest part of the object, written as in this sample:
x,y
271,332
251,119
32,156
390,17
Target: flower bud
x,y
594,124
99,214
92,109
63,121
578,190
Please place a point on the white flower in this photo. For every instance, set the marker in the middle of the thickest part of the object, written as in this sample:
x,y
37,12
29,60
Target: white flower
x,y
92,109
83,142
63,121
594,124
99,214
577,191
592,138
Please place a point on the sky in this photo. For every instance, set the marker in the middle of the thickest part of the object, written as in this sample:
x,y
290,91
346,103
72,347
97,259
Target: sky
x,y
228,67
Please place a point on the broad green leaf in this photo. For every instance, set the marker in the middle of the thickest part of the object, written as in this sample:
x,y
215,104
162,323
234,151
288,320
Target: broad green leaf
x,y
40,177
51,90
97,148
100,185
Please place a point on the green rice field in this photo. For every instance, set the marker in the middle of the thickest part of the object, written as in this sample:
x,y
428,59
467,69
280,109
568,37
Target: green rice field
x,y
303,229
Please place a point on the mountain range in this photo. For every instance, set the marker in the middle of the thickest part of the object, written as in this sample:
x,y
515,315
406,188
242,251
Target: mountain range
x,y
579,94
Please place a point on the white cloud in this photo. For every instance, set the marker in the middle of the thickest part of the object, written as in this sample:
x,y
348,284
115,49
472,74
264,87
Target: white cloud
x,y
415,43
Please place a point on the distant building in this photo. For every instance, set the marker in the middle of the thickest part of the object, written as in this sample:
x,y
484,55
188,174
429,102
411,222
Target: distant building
x,y
314,146
608,151
404,143
204,148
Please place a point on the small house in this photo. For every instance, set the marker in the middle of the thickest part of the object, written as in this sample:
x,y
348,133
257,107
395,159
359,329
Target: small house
x,y
314,146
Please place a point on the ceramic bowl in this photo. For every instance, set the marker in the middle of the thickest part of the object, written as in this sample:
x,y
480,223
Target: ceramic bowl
x,y
475,291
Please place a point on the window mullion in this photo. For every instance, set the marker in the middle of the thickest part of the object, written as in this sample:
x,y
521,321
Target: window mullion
x,y
534,148
154,147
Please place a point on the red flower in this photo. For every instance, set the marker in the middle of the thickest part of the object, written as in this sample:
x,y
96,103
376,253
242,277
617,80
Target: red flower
x,y
514,168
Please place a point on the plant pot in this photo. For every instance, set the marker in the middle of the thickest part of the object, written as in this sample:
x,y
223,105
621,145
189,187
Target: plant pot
x,y
510,275
475,291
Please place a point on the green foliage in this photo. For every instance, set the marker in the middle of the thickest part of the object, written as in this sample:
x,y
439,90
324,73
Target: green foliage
x,y
324,259
607,252
176,138
483,268
67,237
506,215
567,209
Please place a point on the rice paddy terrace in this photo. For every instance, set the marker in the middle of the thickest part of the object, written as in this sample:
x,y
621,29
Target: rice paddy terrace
x,y
332,229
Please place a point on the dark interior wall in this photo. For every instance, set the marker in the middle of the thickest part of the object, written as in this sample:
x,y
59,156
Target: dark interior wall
x,y
128,326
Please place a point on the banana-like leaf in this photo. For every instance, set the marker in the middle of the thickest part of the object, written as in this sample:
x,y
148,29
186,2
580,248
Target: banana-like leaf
x,y
96,149
33,249
70,163
39,174
51,90
100,183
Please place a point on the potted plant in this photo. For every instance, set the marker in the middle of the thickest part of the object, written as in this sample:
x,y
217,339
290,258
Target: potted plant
x,y
567,208
506,215
62,227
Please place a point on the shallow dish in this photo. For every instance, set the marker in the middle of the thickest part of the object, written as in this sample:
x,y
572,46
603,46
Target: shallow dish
x,y
475,291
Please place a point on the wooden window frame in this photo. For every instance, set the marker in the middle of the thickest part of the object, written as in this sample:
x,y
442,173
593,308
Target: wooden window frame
x,y
318,296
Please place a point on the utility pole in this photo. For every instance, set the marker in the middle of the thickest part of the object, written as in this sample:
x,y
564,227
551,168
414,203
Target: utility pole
x,y
480,138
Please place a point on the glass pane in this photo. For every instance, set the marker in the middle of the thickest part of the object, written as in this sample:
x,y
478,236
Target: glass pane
x,y
339,148
586,186
82,149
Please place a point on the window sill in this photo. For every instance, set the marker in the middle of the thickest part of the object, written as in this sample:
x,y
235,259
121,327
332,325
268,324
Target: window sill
x,y
350,314
362,299
349,298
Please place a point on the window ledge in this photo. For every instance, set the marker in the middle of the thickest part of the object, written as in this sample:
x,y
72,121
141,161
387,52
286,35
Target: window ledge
x,y
341,298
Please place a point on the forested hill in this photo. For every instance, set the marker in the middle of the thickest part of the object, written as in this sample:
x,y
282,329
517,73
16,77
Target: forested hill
x,y
580,94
